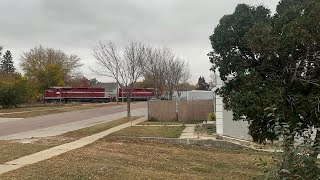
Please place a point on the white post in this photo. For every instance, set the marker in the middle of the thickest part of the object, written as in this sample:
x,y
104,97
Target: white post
x,y
177,110
219,109
117,98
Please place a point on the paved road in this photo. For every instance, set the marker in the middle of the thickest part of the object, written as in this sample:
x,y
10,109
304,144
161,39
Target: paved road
x,y
41,122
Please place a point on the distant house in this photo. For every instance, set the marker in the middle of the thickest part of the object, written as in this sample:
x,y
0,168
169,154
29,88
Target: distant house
x,y
110,88
200,95
183,95
193,95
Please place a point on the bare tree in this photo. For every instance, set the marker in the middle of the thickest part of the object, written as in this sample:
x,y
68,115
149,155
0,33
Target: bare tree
x,y
213,80
165,71
177,72
125,67
156,68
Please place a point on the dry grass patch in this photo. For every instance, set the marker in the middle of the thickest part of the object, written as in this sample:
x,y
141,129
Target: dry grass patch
x,y
151,131
36,107
121,158
99,127
160,123
205,130
10,150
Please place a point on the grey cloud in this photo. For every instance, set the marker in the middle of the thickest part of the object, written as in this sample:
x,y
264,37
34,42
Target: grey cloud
x,y
74,25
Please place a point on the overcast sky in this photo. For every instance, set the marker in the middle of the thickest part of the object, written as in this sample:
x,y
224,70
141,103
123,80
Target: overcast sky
x,y
74,26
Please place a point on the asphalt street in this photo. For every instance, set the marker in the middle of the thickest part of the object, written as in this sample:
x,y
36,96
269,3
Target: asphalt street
x,y
52,120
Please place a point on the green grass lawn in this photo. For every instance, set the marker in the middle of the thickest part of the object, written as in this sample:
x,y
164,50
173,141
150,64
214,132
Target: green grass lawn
x,y
205,130
122,158
160,123
167,123
98,128
151,131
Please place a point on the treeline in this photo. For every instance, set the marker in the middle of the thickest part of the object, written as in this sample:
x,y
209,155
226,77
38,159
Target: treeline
x,y
43,68
14,88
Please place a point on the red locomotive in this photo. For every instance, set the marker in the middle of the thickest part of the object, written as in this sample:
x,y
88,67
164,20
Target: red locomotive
x,y
94,94
138,93
88,94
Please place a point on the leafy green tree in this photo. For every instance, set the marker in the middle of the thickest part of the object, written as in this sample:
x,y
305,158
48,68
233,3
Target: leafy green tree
x,y
271,63
50,76
142,84
0,56
231,56
80,81
202,84
94,81
39,57
7,63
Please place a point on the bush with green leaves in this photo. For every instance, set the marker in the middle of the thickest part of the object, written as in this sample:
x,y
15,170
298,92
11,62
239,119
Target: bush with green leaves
x,y
14,92
211,117
299,157
303,165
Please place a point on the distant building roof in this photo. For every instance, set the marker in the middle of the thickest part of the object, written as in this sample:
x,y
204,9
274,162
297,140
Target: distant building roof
x,y
109,87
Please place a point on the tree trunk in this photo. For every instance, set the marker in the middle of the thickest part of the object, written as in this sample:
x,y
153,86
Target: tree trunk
x,y
316,145
288,143
129,104
170,95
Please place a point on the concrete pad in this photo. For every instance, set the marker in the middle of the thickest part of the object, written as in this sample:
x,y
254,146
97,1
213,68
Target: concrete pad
x,y
190,125
189,137
188,132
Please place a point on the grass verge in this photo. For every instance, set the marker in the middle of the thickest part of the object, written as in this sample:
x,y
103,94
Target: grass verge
x,y
167,123
205,130
98,128
151,131
122,158
160,123
10,150
40,111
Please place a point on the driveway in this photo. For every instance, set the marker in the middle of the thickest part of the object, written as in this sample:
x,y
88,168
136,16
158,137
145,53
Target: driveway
x,y
41,122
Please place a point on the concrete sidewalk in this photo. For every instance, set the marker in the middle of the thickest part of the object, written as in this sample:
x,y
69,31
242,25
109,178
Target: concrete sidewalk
x,y
188,132
60,129
55,151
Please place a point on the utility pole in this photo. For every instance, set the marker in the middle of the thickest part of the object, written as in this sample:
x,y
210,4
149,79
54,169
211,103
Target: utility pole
x,y
117,94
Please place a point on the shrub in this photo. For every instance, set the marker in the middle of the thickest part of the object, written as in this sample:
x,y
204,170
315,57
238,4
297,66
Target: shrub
x,y
153,119
298,161
211,117
14,92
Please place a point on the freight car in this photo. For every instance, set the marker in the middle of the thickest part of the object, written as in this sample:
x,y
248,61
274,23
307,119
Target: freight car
x,y
94,94
82,94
